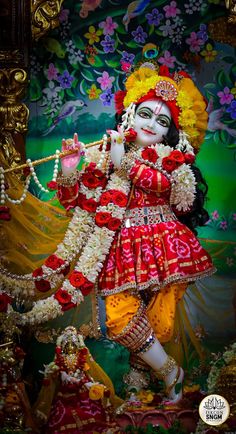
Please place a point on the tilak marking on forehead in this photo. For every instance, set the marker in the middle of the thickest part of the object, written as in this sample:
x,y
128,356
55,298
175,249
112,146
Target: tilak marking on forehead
x,y
158,108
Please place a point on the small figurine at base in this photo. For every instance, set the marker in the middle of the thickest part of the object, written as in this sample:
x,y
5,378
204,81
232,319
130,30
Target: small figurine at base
x,y
79,390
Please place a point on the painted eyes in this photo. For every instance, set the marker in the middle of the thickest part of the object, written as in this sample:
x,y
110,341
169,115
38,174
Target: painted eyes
x,y
161,119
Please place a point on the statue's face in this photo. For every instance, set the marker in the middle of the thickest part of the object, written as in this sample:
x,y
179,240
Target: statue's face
x,y
152,122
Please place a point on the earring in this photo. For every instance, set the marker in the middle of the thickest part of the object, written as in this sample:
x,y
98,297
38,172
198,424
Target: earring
x,y
128,117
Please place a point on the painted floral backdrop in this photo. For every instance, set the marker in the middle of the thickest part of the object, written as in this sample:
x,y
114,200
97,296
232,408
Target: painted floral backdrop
x,y
76,69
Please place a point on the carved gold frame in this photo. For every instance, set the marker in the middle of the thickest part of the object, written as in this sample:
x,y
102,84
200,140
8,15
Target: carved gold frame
x,y
21,22
29,20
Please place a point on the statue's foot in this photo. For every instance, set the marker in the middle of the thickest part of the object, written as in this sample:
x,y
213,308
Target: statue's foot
x,y
174,390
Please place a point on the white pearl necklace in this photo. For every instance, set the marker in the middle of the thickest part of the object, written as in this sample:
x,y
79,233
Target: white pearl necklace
x,y
103,151
4,196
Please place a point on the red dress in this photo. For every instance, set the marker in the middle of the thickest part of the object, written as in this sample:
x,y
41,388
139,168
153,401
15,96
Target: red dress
x,y
74,412
152,249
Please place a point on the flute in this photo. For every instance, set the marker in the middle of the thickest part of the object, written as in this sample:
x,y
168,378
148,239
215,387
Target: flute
x,y
52,157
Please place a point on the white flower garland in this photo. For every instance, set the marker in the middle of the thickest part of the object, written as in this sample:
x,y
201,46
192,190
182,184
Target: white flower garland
x,y
89,264
76,235
183,189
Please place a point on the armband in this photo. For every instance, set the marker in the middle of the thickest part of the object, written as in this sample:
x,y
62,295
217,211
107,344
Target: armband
x,y
68,181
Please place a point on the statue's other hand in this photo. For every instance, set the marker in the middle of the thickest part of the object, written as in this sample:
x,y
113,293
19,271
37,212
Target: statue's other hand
x,y
70,162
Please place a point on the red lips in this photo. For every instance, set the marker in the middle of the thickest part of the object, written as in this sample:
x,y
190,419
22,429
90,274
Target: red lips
x,y
148,132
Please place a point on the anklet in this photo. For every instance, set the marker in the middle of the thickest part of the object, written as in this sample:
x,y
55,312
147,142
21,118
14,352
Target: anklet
x,y
167,368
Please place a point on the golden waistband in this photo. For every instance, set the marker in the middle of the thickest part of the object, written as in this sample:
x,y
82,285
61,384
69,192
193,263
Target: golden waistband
x,y
148,216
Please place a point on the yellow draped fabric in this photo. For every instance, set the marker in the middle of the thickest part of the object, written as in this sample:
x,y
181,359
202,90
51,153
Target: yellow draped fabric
x,y
33,233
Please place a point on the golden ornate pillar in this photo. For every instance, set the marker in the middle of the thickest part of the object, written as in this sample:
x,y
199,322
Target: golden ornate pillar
x,y
13,115
231,8
21,22
44,16
223,29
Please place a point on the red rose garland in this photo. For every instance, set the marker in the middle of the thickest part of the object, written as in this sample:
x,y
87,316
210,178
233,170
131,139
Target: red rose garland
x,y
81,281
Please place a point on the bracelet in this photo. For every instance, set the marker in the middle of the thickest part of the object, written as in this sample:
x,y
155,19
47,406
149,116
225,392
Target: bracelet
x,y
68,181
127,163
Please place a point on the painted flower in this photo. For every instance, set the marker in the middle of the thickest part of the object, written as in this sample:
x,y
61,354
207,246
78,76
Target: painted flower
x,y
64,14
208,53
171,10
167,29
233,90
232,109
52,72
224,225
91,51
167,59
127,57
225,96
125,66
65,80
93,92
74,55
190,8
108,44
139,35
105,80
52,90
106,98
93,35
108,26
202,33
215,215
154,17
194,42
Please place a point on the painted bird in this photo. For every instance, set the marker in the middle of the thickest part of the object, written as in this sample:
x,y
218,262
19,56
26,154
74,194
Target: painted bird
x,y
133,10
68,109
214,121
54,47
